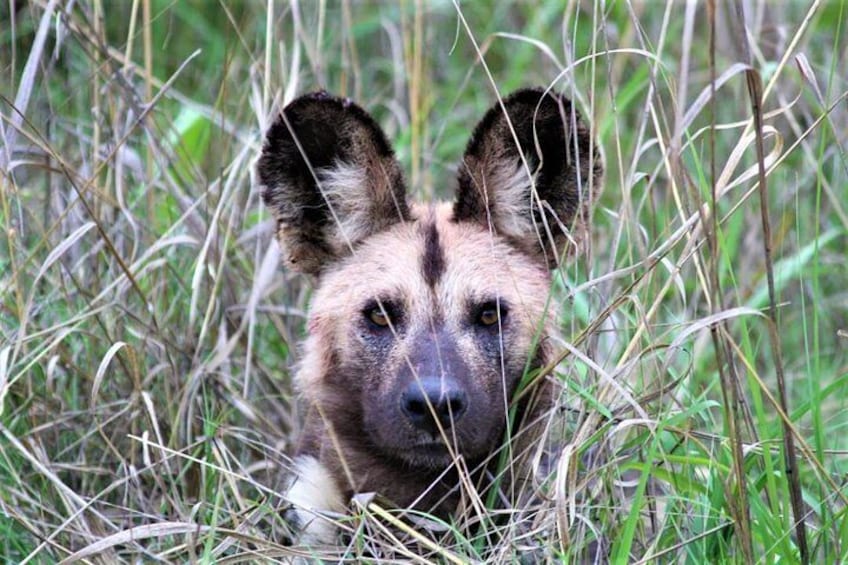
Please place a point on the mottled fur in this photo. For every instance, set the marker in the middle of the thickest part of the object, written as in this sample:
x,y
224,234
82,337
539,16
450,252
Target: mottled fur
x,y
444,302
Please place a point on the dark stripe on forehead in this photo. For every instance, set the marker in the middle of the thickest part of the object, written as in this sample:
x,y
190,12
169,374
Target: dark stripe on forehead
x,y
433,260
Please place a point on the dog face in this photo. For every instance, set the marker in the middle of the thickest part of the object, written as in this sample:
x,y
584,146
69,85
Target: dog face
x,y
425,317
427,338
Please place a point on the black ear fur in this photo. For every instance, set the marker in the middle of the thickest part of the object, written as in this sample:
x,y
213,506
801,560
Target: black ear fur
x,y
495,188
330,178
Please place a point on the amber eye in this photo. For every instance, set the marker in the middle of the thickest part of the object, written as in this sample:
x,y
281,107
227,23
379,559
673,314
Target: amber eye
x,y
488,317
378,317
490,313
381,314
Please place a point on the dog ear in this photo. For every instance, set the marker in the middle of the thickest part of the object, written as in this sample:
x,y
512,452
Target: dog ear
x,y
330,178
541,206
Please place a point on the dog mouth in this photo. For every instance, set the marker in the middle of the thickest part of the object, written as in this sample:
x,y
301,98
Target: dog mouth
x,y
432,451
439,452
428,460
430,454
434,447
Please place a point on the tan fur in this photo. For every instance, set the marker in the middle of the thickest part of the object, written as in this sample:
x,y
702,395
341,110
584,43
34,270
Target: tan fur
x,y
439,274
476,260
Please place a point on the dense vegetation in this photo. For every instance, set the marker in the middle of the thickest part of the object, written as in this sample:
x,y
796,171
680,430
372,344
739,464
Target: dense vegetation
x,y
147,332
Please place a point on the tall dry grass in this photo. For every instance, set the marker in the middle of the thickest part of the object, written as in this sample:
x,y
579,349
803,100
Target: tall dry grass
x,y
147,333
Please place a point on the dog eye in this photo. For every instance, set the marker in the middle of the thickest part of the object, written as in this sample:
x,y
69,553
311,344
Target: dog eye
x,y
378,317
488,317
490,313
381,314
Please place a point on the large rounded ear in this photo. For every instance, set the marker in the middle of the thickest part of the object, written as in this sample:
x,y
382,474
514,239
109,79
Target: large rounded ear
x,y
330,178
531,177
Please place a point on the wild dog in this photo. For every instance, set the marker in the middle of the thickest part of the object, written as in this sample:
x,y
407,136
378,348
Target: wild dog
x,y
425,318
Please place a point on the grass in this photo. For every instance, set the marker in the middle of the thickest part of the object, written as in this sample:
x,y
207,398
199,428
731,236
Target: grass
x,y
147,334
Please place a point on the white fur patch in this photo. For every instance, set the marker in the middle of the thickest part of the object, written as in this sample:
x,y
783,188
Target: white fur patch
x,y
509,188
313,493
346,187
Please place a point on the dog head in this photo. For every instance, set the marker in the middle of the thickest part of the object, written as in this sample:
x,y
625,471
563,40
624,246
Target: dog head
x,y
425,317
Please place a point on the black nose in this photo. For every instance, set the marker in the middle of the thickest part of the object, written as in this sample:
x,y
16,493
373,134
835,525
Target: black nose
x,y
444,396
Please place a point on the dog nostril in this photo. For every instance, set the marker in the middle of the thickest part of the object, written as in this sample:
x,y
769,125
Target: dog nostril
x,y
448,404
415,407
452,405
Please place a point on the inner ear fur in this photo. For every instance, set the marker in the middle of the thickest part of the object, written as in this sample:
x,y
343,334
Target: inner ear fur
x,y
543,206
330,178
